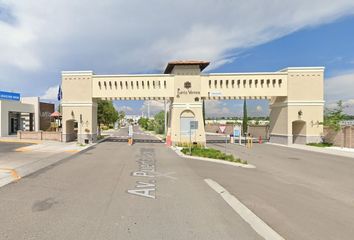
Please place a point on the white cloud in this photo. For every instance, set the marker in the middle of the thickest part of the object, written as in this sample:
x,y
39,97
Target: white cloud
x,y
143,35
215,108
259,108
155,107
116,36
51,93
125,109
340,87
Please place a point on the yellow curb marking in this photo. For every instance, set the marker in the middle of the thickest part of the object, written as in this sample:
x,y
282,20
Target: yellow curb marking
x,y
13,172
23,149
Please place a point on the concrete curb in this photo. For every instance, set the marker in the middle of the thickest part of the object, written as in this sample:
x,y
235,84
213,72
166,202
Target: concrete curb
x,y
32,167
179,153
325,150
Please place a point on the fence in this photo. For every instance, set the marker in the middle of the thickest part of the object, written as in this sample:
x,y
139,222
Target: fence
x,y
342,138
40,135
255,131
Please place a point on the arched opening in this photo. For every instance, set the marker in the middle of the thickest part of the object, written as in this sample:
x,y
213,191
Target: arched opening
x,y
71,130
185,118
299,131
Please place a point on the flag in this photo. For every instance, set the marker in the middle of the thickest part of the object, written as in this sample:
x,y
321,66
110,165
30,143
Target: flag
x,y
60,93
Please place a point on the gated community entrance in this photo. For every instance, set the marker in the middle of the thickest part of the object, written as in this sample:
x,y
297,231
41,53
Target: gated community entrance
x,y
295,96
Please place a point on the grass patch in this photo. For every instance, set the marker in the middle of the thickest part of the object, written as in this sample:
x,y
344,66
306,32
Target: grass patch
x,y
320,144
212,153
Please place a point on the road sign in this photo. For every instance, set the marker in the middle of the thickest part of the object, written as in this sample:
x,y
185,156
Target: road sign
x,y
222,128
237,132
194,125
9,96
215,93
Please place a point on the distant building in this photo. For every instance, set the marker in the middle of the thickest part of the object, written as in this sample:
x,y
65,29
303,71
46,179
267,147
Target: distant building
x,y
26,114
238,122
132,118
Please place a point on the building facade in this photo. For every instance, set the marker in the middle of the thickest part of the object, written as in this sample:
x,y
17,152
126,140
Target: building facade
x,y
22,114
295,96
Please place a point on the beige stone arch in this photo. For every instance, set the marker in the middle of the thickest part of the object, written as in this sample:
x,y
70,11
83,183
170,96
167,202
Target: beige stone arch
x,y
186,134
70,131
299,131
290,91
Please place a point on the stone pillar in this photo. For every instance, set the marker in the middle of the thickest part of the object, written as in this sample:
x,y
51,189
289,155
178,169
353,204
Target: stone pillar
x,y
280,132
79,109
188,111
298,117
83,118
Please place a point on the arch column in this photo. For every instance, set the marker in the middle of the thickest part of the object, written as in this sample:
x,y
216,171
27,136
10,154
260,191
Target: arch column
x,y
85,114
284,113
194,110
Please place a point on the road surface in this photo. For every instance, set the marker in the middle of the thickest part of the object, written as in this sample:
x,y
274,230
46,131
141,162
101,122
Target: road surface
x,y
106,193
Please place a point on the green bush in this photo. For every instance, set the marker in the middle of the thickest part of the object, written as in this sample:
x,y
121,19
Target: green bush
x,y
324,144
211,153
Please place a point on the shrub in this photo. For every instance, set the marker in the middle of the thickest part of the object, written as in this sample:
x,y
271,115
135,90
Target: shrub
x,y
211,153
324,144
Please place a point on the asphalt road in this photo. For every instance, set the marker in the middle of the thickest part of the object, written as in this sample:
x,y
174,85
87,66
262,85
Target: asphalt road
x,y
139,136
6,147
301,194
102,194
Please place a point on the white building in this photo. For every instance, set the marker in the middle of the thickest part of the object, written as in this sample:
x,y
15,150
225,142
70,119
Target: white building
x,y
18,113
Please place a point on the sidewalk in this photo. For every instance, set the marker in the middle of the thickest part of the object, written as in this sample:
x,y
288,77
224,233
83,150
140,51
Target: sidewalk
x,y
28,159
343,152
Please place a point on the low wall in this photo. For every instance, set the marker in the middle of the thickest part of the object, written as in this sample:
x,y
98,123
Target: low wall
x,y
259,131
342,138
40,135
214,128
255,131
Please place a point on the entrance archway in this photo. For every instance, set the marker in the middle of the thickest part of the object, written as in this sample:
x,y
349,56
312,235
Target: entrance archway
x,y
299,131
184,85
186,133
71,130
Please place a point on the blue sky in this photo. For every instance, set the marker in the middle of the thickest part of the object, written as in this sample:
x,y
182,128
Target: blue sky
x,y
38,41
330,45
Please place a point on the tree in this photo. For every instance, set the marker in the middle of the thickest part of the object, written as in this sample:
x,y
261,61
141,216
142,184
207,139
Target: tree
x,y
159,122
143,122
334,116
245,118
106,113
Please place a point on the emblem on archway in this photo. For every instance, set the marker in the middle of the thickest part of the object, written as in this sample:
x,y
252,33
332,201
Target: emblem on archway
x,y
187,85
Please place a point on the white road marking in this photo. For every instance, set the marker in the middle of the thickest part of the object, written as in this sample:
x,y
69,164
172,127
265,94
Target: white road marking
x,y
146,164
256,223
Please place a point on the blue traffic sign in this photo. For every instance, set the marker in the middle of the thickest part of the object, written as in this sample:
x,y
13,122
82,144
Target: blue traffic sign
x,y
9,96
237,132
